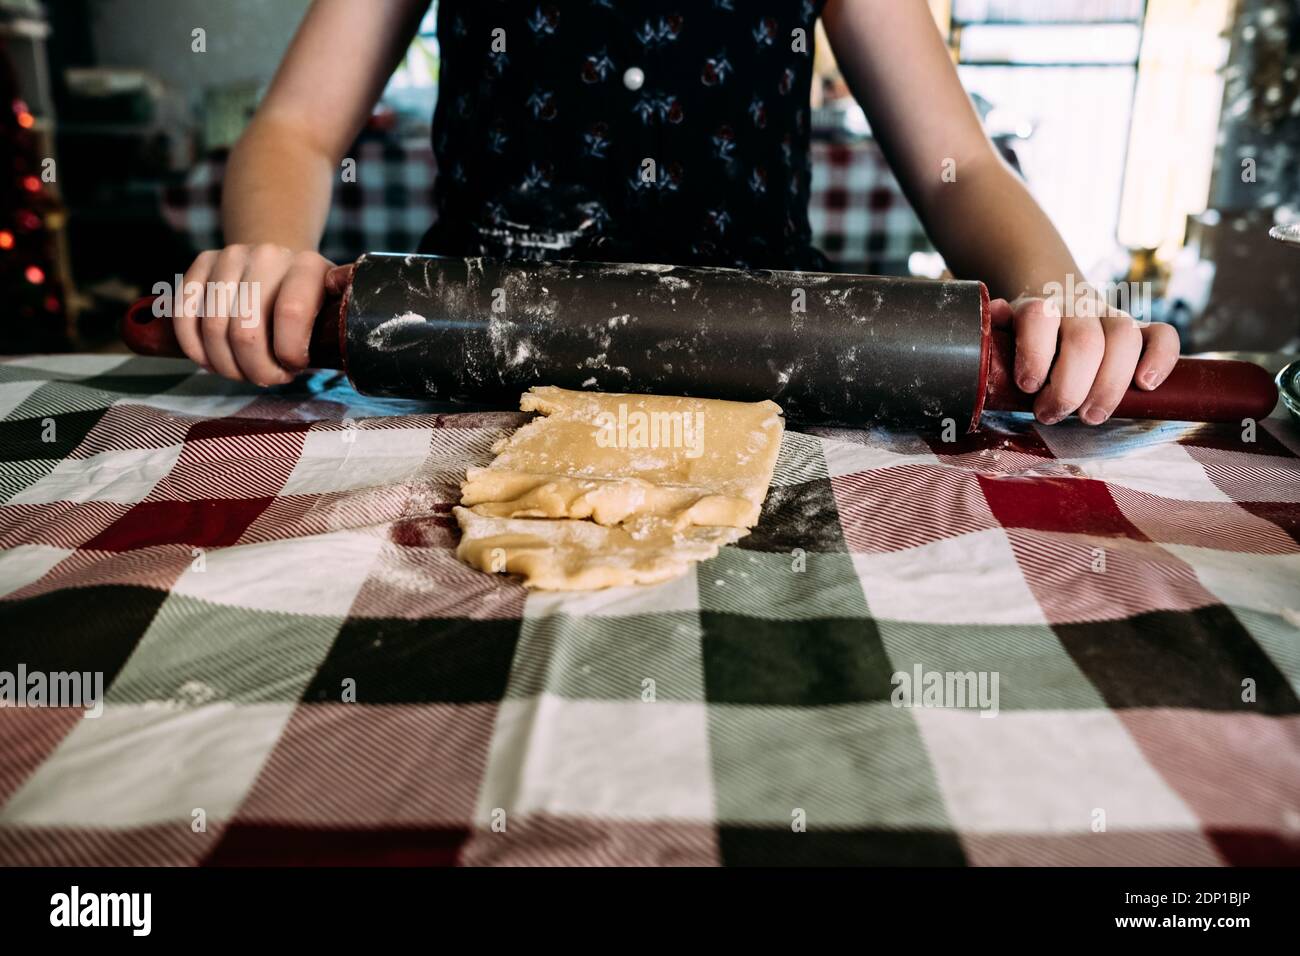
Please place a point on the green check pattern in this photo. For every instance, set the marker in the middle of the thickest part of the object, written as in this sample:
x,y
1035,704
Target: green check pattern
x,y
296,669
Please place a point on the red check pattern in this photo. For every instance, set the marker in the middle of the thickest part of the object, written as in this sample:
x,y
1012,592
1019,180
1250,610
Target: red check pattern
x,y
859,215
297,669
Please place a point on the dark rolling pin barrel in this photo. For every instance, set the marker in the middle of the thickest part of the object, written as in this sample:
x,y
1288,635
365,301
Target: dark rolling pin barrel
x,y
843,349
827,348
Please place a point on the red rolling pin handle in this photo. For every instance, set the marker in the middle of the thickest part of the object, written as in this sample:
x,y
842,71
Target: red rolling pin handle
x,y
1197,390
147,334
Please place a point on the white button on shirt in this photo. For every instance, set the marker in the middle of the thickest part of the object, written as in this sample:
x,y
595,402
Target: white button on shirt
x,y
634,78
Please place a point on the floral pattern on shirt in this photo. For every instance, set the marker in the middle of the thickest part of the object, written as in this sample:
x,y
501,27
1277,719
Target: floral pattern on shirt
x,y
628,130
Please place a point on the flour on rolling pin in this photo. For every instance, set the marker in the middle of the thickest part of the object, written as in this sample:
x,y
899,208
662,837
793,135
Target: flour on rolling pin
x,y
828,348
388,335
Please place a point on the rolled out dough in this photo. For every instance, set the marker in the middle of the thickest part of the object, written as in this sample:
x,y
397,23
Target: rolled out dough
x,y
568,555
604,490
611,457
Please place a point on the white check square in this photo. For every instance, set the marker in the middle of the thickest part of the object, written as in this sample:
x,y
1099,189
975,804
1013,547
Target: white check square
x,y
78,365
1046,772
680,594
973,578
876,450
319,575
351,458
26,563
136,765
1261,582
1166,470
196,406
125,476
628,760
13,394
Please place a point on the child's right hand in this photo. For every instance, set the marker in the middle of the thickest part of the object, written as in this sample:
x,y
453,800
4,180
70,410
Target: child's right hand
x,y
258,331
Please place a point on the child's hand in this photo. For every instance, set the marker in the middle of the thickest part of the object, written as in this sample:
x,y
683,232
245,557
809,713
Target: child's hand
x,y
227,328
1084,362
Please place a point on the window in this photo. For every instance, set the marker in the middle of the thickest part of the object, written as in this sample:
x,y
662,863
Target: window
x,y
419,69
1069,67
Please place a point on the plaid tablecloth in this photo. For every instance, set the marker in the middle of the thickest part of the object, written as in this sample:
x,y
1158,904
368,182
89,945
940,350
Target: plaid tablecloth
x,y
297,669
859,215
388,207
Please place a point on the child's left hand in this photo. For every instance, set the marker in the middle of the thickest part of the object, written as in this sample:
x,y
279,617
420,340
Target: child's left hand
x,y
1084,362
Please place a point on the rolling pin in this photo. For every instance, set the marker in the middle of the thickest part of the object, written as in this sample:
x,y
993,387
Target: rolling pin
x,y
829,348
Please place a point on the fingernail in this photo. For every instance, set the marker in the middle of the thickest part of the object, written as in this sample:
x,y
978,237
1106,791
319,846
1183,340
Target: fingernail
x,y
1150,380
1093,415
1051,418
1027,383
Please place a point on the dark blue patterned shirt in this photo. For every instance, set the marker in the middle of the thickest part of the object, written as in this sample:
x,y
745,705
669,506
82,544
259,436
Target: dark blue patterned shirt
x,y
625,130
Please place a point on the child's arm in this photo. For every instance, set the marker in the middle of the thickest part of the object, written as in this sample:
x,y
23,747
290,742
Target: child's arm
x,y
986,223
279,182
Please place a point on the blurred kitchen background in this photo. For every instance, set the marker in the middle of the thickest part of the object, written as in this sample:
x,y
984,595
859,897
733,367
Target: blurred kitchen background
x,y
1163,136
